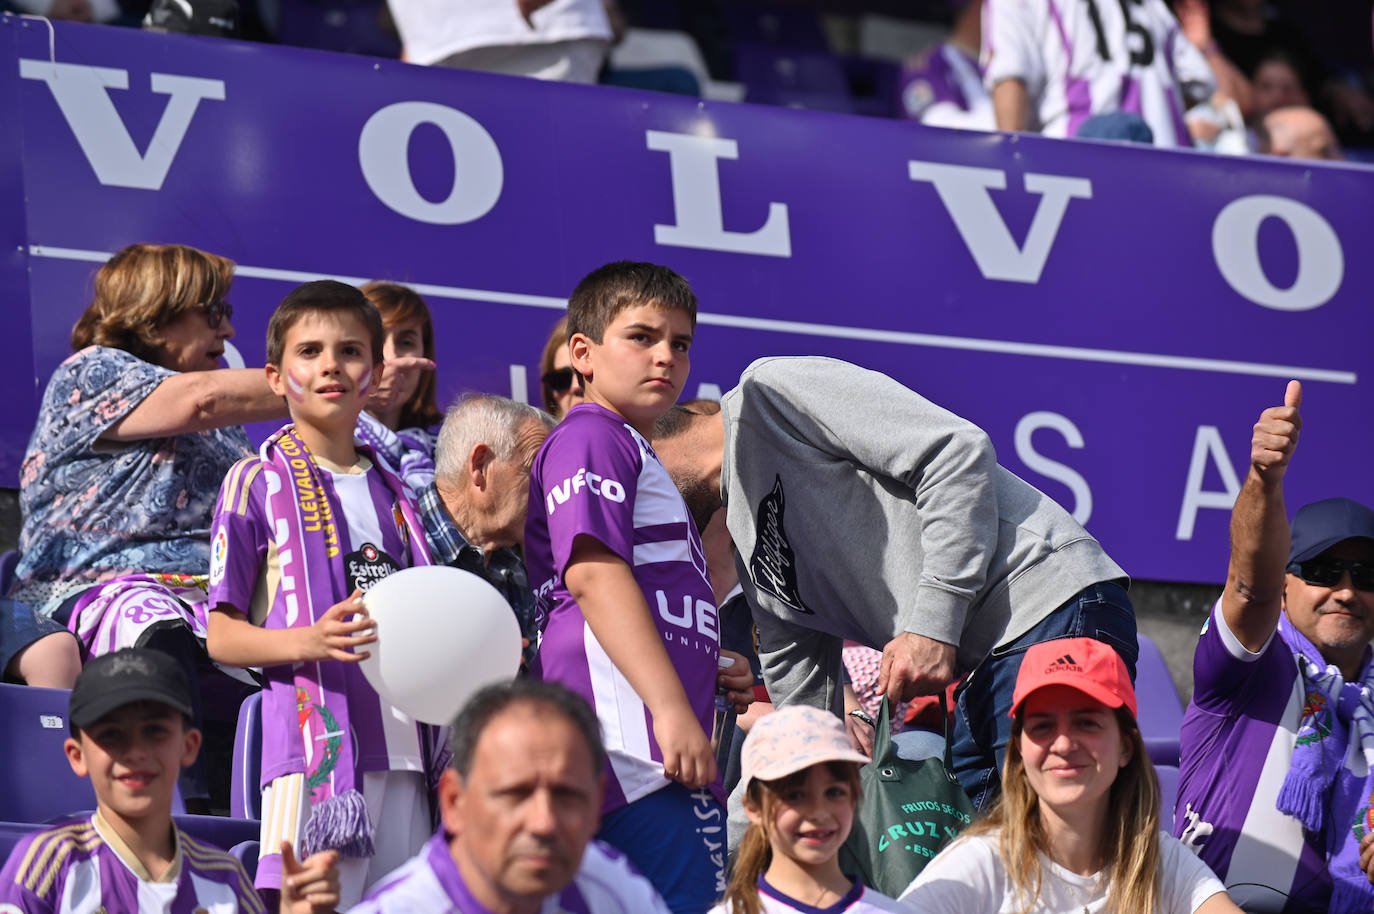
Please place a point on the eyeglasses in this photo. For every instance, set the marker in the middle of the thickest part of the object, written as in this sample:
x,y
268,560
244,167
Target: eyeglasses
x,y
558,380
217,311
1327,572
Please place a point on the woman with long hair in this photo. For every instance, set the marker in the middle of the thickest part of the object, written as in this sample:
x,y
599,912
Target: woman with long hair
x,y
1076,830
401,419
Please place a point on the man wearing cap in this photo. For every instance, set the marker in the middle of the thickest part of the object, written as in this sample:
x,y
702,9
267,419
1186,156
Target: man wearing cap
x,y
518,809
1274,779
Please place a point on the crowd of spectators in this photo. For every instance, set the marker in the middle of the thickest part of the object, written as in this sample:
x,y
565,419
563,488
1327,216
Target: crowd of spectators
x,y
1044,736
1234,77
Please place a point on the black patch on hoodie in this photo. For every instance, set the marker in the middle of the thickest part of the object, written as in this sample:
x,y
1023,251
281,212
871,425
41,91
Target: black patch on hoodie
x,y
773,566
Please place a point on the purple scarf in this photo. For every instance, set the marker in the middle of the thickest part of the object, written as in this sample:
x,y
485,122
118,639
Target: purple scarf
x,y
408,452
305,520
1329,787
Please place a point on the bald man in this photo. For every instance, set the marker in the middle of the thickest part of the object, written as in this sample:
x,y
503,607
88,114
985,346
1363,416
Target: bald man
x,y
1297,133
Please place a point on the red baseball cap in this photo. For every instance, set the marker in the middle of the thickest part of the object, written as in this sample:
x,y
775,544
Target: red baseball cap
x,y
1085,664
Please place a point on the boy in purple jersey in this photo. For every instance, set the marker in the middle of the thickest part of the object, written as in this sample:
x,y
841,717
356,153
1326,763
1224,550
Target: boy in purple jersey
x,y
130,722
618,568
299,533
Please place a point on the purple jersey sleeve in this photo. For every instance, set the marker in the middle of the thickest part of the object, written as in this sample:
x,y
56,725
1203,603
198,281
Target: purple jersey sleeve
x,y
586,480
239,535
1222,680
14,882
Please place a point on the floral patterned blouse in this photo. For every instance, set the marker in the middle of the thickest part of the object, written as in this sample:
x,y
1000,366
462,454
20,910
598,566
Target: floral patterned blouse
x,y
96,510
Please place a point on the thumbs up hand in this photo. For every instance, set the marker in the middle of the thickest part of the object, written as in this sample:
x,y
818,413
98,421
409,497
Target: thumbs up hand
x,y
1276,435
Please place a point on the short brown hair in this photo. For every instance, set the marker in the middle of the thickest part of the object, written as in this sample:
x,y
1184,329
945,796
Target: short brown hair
x,y
145,287
323,296
400,304
606,291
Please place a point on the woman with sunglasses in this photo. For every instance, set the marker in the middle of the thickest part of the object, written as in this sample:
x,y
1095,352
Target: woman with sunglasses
x,y
561,385
135,433
1076,828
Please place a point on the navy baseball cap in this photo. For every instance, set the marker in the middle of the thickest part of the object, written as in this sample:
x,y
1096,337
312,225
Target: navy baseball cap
x,y
112,681
1319,526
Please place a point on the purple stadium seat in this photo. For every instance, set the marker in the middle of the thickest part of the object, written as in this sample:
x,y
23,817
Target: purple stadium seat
x,y
1168,793
1161,711
221,831
246,853
763,67
787,26
874,85
337,25
39,783
245,788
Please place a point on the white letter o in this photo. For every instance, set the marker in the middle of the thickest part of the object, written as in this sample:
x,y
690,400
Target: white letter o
x,y
1321,263
477,171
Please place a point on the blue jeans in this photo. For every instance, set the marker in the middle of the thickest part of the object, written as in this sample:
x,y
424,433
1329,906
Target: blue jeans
x,y
981,725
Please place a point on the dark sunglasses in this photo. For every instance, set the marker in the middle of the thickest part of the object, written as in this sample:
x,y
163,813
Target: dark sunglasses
x,y
558,380
1327,572
217,311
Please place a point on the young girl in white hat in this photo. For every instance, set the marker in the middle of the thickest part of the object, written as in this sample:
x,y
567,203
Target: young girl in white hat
x,y
801,782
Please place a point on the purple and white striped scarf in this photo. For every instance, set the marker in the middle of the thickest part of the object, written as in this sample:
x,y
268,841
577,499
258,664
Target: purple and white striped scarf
x,y
305,519
1329,787
408,452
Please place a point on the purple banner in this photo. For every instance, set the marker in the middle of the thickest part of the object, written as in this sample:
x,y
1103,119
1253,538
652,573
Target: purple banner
x,y
1115,317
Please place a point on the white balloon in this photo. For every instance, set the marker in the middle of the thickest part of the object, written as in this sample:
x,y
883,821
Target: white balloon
x,y
442,634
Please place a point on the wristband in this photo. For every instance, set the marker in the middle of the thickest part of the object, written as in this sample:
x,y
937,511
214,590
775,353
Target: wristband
x,y
864,716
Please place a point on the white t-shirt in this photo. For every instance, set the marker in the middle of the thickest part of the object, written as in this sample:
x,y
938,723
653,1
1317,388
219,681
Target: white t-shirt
x,y
968,877
434,29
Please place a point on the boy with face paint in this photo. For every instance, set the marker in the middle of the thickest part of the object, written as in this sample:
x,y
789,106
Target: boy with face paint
x,y
300,533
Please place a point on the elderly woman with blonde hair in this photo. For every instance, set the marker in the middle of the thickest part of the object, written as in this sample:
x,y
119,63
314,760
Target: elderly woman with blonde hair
x,y
135,433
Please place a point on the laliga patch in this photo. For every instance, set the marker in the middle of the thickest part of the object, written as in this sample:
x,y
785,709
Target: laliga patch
x,y
219,554
367,566
773,566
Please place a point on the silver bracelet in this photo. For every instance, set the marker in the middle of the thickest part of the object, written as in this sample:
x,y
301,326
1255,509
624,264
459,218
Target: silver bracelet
x,y
864,716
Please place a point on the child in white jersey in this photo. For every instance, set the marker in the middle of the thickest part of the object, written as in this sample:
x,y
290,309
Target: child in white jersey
x,y
801,786
131,735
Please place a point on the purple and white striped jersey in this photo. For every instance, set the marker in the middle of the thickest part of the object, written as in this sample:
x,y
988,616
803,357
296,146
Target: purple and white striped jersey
x,y
945,89
1079,58
1236,745
246,572
84,868
596,475
605,883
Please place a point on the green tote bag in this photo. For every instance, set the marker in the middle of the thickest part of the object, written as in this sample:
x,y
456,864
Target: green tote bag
x,y
908,812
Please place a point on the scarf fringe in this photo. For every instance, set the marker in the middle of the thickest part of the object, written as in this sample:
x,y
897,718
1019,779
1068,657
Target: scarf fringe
x,y
339,823
1305,799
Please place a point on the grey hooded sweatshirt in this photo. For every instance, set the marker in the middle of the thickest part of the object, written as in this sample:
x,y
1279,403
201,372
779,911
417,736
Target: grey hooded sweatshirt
x,y
861,510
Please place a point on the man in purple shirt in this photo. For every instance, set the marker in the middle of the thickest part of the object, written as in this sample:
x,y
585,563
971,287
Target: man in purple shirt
x,y
519,807
1274,781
